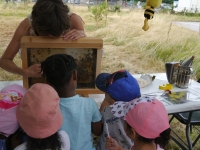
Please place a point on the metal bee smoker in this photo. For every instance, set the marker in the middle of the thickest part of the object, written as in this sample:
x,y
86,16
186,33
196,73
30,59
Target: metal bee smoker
x,y
183,76
179,73
171,71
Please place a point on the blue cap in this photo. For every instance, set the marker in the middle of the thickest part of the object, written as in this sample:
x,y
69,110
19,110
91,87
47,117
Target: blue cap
x,y
121,85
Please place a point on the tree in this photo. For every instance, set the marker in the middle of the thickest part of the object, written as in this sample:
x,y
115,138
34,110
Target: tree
x,y
99,12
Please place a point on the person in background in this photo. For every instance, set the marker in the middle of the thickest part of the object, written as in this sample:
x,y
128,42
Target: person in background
x,y
81,114
40,117
146,123
10,134
48,18
118,86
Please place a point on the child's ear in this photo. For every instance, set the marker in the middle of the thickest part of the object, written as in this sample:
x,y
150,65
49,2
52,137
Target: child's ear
x,y
109,99
113,101
134,134
74,75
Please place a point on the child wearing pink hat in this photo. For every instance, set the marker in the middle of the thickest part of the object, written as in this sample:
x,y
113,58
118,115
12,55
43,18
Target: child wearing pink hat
x,y
146,123
10,97
40,117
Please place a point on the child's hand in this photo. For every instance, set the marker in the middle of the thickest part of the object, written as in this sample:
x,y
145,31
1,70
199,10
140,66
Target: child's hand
x,y
111,144
34,71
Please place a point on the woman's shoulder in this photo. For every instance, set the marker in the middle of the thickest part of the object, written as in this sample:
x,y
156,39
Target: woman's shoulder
x,y
22,30
25,22
24,26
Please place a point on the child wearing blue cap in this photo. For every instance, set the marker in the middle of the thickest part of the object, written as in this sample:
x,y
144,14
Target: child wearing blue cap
x,y
118,86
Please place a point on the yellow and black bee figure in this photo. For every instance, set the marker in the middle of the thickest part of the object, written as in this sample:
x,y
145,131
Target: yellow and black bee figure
x,y
149,11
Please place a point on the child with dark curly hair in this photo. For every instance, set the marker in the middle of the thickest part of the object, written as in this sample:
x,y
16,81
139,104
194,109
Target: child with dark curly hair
x,y
80,114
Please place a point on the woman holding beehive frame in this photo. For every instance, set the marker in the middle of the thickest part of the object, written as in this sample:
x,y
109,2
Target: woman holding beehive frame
x,y
48,18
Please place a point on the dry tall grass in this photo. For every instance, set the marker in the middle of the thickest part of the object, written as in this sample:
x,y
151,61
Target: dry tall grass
x,y
148,50
126,45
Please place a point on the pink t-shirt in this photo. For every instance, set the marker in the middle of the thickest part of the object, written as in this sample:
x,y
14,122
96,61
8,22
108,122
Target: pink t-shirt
x,y
9,101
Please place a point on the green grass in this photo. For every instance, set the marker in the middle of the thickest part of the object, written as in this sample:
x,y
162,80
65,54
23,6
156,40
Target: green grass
x,y
179,128
179,51
9,10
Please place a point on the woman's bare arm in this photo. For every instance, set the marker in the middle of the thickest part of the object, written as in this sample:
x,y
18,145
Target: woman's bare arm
x,y
6,61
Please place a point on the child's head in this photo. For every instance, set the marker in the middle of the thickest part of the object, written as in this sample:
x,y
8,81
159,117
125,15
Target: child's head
x,y
50,18
10,97
119,86
146,120
39,113
58,70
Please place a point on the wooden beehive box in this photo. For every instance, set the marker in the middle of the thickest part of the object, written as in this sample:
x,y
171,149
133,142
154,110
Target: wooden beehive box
x,y
86,51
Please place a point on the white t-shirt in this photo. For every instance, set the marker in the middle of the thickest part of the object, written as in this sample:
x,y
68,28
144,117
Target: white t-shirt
x,y
116,130
64,137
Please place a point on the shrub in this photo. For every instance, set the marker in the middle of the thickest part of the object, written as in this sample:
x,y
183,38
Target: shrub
x,y
115,8
98,12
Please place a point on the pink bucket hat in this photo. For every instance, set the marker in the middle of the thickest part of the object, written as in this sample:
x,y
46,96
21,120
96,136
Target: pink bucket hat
x,y
146,115
10,96
39,113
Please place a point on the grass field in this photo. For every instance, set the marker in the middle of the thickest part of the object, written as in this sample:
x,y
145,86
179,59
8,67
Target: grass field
x,y
126,45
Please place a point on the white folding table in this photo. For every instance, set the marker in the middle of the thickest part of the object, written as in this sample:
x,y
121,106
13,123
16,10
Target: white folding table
x,y
151,89
160,79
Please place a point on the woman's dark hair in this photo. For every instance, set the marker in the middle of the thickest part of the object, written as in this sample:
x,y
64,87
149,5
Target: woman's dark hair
x,y
50,17
52,142
162,141
58,69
